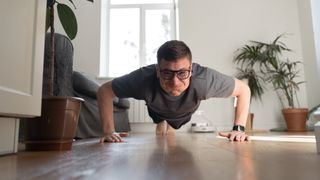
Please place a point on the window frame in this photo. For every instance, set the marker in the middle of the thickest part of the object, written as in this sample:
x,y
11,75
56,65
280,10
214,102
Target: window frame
x,y
104,60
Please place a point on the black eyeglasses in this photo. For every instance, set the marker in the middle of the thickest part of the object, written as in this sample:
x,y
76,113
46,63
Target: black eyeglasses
x,y
169,74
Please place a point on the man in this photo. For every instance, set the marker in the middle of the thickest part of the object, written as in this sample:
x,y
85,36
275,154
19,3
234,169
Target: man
x,y
172,90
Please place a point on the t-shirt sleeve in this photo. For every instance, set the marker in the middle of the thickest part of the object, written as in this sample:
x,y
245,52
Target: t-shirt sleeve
x,y
129,85
218,84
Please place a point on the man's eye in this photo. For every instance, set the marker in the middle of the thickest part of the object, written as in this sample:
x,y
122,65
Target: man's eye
x,y
168,73
182,73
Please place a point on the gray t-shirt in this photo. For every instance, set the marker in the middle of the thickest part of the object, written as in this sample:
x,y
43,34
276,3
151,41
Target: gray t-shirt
x,y
143,84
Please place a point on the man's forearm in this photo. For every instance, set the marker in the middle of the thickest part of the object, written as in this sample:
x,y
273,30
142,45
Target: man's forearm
x,y
105,102
243,102
242,110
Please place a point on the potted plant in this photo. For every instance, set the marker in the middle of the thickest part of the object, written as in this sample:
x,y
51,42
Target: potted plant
x,y
246,71
56,127
262,63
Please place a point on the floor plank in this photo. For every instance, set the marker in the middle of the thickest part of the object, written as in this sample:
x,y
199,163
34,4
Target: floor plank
x,y
184,156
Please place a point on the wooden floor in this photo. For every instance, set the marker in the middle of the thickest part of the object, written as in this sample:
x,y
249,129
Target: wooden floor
x,y
184,156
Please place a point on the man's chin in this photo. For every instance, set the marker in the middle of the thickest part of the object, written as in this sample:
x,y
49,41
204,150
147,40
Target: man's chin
x,y
174,93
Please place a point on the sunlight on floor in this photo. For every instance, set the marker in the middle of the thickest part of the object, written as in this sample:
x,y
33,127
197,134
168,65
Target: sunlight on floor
x,y
285,138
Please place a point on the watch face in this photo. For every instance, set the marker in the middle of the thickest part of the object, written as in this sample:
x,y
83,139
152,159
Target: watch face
x,y
238,128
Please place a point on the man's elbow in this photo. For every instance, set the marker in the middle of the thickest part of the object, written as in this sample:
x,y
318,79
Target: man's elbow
x,y
105,90
242,89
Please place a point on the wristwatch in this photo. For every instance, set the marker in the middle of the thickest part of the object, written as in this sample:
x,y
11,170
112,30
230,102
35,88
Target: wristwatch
x,y
238,128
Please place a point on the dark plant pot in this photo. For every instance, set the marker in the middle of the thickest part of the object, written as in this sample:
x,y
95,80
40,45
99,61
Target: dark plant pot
x,y
295,119
56,127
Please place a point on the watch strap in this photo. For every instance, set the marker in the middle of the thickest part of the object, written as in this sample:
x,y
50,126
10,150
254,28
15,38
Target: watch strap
x,y
238,128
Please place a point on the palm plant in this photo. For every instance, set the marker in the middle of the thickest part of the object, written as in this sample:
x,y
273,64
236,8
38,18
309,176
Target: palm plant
x,y
261,63
254,81
283,80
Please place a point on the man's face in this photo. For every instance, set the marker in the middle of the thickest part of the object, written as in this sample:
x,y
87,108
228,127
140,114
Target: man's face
x,y
174,76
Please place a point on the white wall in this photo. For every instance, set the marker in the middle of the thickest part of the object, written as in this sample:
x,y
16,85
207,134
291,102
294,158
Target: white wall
x,y
87,42
308,35
214,29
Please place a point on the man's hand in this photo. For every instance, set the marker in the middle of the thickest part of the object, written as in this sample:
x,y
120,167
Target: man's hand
x,y
235,136
113,137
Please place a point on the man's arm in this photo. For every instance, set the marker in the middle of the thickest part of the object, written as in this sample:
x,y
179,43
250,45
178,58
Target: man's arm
x,y
105,101
242,92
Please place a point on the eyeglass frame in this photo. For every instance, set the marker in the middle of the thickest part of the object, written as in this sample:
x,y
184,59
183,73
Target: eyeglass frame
x,y
175,73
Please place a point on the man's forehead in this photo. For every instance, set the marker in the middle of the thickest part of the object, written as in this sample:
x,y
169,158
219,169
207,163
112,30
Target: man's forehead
x,y
176,64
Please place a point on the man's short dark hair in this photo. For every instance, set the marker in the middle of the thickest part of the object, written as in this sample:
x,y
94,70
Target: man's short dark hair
x,y
173,50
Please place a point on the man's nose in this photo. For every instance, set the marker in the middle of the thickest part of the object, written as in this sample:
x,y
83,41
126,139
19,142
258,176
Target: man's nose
x,y
175,79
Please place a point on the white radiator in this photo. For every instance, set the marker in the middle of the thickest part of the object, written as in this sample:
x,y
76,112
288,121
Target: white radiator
x,y
138,112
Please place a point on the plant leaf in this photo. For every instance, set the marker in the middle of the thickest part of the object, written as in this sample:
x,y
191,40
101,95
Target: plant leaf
x,y
68,20
71,1
48,19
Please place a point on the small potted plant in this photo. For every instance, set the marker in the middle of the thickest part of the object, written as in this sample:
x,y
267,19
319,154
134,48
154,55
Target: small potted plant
x,y
262,63
56,127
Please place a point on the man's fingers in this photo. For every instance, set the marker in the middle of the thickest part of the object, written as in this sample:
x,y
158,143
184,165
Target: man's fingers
x,y
102,140
240,137
114,137
224,134
244,137
106,139
118,138
232,136
235,136
123,134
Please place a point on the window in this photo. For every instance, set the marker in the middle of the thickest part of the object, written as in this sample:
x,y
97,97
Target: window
x,y
134,31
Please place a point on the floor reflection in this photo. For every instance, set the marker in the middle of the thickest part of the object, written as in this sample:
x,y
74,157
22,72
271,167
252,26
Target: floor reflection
x,y
172,160
246,166
282,138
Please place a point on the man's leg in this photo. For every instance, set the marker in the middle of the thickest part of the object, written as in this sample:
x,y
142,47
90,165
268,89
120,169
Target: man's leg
x,y
170,130
161,128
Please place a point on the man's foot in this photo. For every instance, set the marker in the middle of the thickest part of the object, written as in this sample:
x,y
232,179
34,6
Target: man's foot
x,y
161,128
170,130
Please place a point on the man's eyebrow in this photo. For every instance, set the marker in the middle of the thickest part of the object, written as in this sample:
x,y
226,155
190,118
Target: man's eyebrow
x,y
182,69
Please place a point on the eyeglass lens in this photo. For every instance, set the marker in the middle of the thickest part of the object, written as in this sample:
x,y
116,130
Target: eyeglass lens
x,y
168,75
